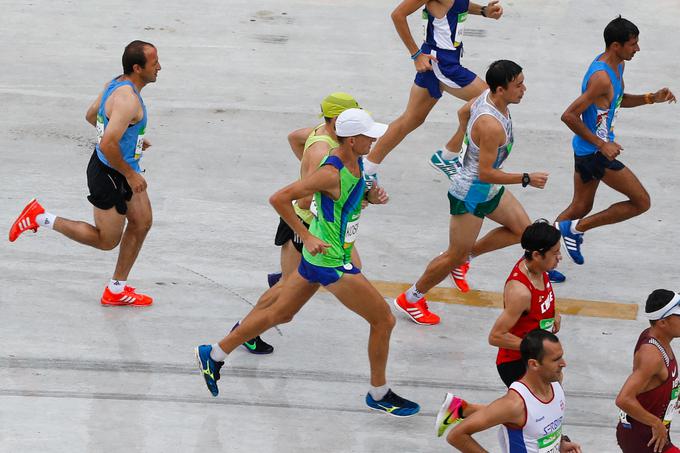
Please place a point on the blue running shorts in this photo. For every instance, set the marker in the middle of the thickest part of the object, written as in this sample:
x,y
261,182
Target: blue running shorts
x,y
446,70
325,275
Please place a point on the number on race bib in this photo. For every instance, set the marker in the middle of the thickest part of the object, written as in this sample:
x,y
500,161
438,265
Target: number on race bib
x,y
351,233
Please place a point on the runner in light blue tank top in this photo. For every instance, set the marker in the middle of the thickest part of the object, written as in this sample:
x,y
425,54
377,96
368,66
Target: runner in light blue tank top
x,y
117,189
132,140
600,121
591,117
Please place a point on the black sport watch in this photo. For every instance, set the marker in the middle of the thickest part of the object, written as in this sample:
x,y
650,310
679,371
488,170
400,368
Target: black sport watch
x,y
525,179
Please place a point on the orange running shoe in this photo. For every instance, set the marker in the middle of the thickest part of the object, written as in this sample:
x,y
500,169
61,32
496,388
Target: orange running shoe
x,y
126,297
26,220
418,312
458,276
132,290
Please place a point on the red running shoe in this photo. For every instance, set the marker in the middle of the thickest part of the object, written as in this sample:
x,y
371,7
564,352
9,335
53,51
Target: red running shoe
x,y
418,312
132,290
127,297
458,276
26,220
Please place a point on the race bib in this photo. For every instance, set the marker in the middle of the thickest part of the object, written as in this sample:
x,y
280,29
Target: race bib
x,y
550,443
601,129
460,29
623,418
616,112
140,144
463,150
425,16
547,324
670,410
351,233
100,128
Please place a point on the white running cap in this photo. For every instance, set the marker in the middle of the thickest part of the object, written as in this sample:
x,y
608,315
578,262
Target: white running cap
x,y
353,122
671,308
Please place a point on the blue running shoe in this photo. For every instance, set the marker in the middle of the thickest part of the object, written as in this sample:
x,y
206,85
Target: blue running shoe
x,y
273,279
448,167
210,370
556,276
256,345
571,241
393,404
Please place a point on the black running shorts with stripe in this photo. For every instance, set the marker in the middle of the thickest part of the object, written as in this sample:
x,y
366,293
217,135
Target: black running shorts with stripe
x,y
108,187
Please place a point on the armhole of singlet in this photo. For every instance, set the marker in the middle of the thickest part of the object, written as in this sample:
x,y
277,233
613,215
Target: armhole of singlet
x,y
526,412
664,355
492,116
525,280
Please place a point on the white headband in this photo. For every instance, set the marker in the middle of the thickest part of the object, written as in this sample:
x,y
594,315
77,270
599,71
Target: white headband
x,y
663,312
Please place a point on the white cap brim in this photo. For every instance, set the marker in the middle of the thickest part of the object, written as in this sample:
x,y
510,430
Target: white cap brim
x,y
376,131
671,308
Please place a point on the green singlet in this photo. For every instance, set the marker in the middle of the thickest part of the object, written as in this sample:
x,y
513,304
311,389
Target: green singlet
x,y
306,214
337,221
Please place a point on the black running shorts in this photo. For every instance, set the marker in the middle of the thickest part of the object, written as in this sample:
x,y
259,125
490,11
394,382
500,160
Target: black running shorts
x,y
511,371
108,187
593,166
285,233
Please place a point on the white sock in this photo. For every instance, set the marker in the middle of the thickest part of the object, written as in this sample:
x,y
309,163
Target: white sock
x,y
573,229
448,155
413,295
45,220
217,354
370,168
117,286
379,393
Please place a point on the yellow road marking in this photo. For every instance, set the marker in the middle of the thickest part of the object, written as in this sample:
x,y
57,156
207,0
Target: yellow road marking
x,y
594,308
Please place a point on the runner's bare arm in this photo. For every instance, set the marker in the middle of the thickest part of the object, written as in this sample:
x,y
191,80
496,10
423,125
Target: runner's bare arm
x,y
493,9
635,100
399,15
648,363
463,119
326,179
517,300
377,195
297,140
558,322
91,114
597,90
124,110
489,135
93,109
507,409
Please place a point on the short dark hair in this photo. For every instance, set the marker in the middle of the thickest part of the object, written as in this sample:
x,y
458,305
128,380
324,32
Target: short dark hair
x,y
502,72
134,54
531,346
619,30
657,300
539,237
